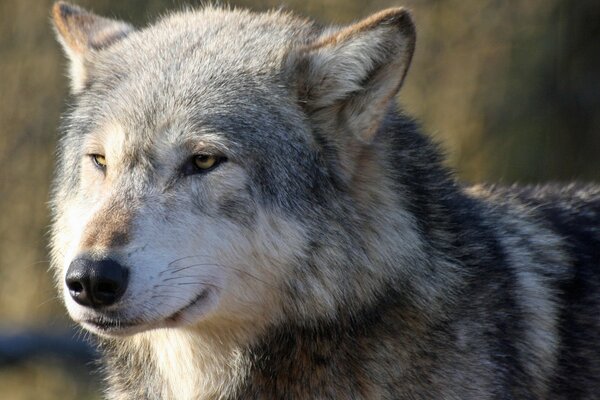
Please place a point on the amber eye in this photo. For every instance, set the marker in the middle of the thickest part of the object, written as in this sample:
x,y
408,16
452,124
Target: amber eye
x,y
99,160
202,163
205,162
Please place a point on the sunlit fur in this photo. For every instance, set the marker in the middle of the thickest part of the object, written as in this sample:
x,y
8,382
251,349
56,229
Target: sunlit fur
x,y
331,255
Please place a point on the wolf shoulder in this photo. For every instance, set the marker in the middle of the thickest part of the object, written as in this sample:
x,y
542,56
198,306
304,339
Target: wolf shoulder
x,y
569,213
552,236
571,210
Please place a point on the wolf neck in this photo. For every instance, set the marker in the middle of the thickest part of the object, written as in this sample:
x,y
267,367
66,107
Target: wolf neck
x,y
174,364
196,366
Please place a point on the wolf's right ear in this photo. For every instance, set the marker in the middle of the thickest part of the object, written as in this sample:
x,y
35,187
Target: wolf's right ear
x,y
82,33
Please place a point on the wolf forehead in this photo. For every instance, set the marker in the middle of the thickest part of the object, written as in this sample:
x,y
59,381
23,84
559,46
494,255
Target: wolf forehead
x,y
213,69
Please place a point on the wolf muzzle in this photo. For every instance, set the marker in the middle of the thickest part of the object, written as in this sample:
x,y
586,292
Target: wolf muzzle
x,y
96,283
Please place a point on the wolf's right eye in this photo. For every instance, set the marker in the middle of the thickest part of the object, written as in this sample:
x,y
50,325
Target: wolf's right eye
x,y
99,160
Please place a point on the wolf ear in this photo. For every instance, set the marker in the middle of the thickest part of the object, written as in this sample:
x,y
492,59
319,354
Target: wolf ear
x,y
352,75
81,33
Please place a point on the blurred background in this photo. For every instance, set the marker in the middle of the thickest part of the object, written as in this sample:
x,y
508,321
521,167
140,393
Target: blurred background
x,y
511,90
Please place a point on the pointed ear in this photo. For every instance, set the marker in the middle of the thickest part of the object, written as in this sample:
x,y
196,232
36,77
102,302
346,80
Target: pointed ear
x,y
81,33
351,76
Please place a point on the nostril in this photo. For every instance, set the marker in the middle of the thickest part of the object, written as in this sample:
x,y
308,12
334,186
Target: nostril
x,y
75,287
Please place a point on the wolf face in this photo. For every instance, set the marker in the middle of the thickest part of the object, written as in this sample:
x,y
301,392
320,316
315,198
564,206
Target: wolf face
x,y
203,159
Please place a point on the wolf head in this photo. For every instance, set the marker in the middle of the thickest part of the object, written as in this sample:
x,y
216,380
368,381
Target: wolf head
x,y
220,167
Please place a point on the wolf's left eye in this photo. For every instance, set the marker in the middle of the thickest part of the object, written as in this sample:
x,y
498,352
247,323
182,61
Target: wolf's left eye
x,y
99,160
203,163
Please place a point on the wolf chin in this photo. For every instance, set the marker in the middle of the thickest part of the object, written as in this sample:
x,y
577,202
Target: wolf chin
x,y
241,211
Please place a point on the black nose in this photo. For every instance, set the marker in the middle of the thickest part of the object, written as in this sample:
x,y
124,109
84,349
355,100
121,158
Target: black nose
x,y
96,283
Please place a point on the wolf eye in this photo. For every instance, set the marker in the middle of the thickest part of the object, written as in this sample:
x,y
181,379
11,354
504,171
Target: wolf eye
x,y
202,163
99,160
205,162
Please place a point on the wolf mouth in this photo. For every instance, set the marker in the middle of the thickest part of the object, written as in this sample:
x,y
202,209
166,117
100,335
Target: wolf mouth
x,y
113,325
108,325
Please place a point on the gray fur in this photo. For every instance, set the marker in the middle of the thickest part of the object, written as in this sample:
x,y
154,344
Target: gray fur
x,y
367,272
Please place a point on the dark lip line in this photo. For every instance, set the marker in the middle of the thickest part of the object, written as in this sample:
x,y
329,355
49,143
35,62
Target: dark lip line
x,y
111,325
202,295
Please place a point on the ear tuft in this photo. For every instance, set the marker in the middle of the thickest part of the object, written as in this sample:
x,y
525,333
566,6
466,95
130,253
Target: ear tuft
x,y
353,74
81,32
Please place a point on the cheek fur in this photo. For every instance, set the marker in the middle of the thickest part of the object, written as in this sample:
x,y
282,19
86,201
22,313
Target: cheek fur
x,y
224,193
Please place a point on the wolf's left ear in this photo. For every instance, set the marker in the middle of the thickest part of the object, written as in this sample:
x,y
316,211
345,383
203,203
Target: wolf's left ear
x,y
82,33
352,75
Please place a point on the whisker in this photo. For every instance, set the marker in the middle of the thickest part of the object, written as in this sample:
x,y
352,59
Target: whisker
x,y
241,271
168,296
174,271
186,257
178,277
39,262
48,301
198,283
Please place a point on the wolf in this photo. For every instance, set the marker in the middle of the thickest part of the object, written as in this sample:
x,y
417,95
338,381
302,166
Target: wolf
x,y
241,210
